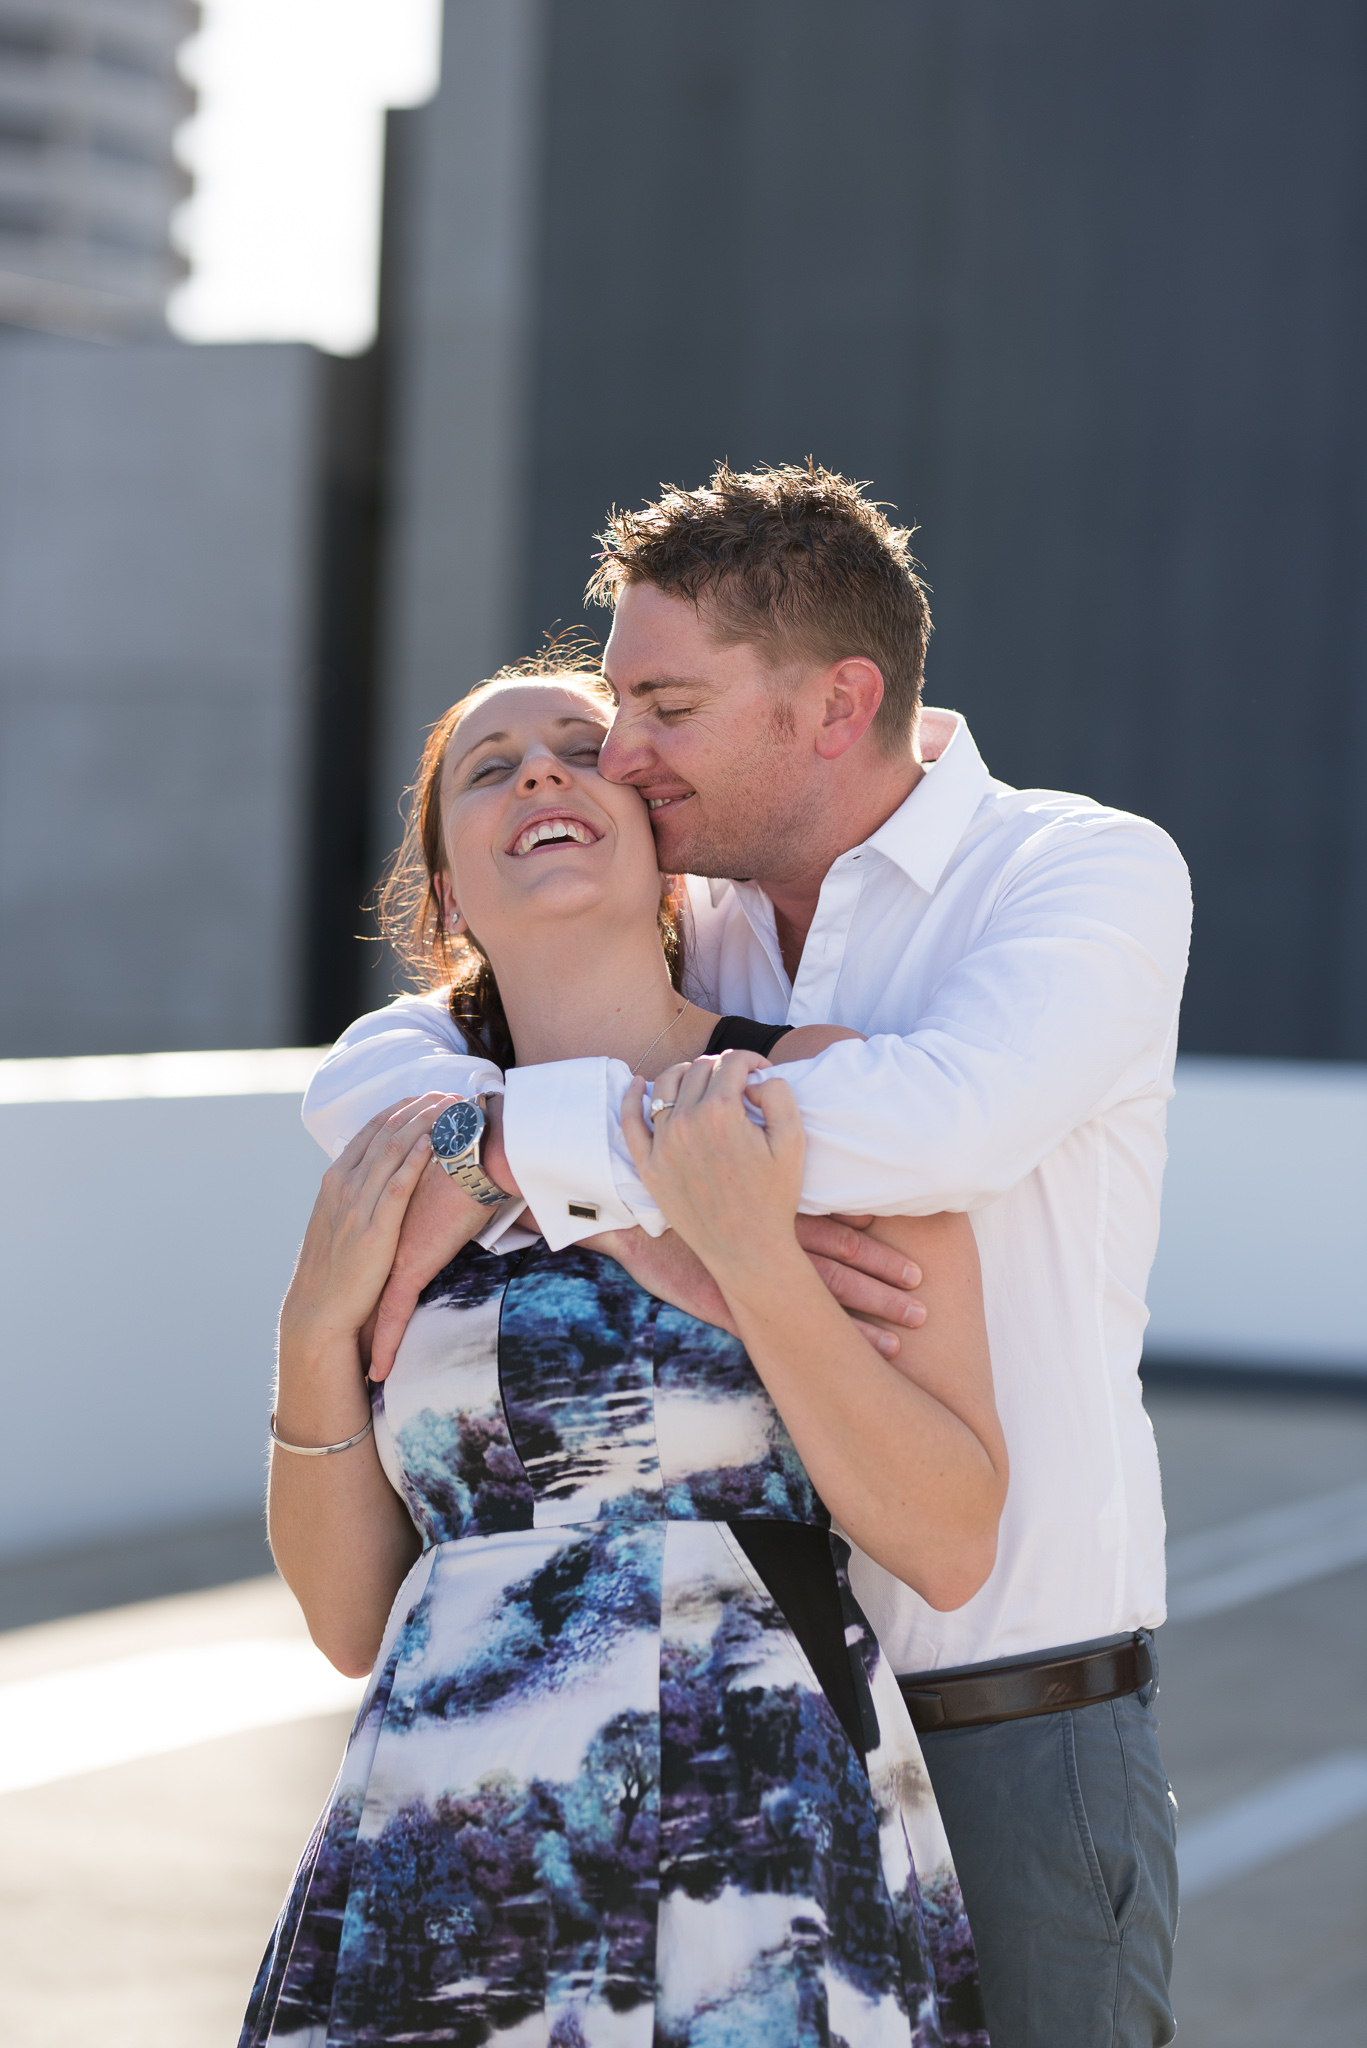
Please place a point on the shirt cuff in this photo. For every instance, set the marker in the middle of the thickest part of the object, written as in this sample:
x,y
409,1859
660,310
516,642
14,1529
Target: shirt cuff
x,y
562,1133
504,1217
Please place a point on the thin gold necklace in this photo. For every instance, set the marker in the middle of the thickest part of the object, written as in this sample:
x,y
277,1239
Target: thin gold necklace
x,y
658,1036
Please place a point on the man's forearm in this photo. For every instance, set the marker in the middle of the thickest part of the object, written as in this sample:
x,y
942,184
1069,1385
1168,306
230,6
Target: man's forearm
x,y
1065,1004
1066,1001
562,1132
410,1048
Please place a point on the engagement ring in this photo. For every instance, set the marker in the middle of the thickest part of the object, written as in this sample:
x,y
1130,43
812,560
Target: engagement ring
x,y
657,1107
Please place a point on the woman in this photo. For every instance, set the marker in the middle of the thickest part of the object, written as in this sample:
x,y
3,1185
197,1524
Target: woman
x,y
630,1768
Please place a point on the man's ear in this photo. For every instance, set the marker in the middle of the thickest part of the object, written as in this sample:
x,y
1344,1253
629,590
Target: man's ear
x,y
853,693
452,923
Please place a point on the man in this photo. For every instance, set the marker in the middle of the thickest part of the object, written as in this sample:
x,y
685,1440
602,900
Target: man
x,y
1016,960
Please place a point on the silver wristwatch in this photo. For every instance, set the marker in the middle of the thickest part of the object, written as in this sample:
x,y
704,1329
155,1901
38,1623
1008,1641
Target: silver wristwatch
x,y
457,1136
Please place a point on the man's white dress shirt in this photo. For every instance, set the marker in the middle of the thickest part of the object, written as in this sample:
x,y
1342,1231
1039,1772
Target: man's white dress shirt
x,y
1016,959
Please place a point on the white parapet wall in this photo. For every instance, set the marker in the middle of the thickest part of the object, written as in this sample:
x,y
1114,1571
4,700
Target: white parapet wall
x,y
1263,1255
150,1210
151,1207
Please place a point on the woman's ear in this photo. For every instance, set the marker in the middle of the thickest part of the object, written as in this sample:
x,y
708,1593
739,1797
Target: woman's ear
x,y
452,923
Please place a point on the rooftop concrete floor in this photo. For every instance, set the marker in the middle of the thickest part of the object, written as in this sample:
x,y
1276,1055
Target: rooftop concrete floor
x,y
1279,1956
135,1901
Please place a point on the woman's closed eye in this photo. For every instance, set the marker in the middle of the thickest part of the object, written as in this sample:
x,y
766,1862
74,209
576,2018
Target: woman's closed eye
x,y
493,765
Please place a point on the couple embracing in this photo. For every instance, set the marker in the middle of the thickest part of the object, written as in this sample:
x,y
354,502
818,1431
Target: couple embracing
x,y
708,1404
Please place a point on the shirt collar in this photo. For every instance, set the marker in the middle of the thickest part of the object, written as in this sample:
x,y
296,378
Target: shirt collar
x,y
922,833
924,830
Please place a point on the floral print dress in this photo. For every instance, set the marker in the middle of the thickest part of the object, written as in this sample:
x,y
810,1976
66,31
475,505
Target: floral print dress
x,y
596,1796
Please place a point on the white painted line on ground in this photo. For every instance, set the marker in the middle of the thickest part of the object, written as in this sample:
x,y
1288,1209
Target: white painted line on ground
x,y
101,1714
1263,1553
1293,1811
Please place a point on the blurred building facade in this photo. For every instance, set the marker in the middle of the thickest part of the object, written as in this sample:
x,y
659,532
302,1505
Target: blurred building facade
x,y
90,99
166,519
1082,293
187,551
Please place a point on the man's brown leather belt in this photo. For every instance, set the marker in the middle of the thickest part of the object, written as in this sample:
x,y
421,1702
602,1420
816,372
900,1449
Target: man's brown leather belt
x,y
971,1698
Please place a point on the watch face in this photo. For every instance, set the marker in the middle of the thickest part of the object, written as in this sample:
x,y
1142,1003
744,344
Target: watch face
x,y
456,1129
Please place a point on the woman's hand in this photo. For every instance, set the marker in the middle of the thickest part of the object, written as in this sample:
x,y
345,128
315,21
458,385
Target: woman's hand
x,y
869,1277
352,1235
909,1457
729,1187
440,1220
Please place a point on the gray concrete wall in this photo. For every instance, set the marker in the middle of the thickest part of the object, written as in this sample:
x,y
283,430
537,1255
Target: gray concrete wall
x,y
157,594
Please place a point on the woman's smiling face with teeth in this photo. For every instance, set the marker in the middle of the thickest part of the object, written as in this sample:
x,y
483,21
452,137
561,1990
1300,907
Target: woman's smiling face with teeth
x,y
548,831
530,828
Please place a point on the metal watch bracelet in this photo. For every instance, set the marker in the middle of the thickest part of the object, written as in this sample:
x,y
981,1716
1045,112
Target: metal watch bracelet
x,y
475,1181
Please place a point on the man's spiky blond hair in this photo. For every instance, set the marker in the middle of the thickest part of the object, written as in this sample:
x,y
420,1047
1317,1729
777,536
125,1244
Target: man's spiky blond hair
x,y
793,558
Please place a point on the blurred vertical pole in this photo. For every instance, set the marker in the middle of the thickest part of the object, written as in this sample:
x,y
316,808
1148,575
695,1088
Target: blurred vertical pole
x,y
342,694
423,483
456,345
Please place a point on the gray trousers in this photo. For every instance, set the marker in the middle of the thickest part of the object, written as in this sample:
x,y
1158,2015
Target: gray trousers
x,y
1062,1828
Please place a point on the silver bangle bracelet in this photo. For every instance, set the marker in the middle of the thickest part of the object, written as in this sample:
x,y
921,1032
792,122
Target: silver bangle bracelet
x,y
319,1450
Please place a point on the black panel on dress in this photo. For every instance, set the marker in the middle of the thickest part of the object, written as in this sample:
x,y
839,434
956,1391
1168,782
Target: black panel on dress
x,y
795,1562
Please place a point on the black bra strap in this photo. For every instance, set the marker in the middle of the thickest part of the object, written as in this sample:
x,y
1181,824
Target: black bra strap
x,y
744,1035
